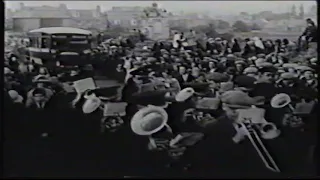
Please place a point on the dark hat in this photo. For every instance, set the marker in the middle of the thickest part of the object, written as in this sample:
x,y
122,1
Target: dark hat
x,y
141,71
268,69
231,70
245,81
39,91
261,55
198,86
156,97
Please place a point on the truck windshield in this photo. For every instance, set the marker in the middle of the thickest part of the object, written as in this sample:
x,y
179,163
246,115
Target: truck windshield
x,y
70,42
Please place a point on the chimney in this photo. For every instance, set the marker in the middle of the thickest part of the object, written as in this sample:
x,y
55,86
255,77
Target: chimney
x,y
62,6
21,5
98,9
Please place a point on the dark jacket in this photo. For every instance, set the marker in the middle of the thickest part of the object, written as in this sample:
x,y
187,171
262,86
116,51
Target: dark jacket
x,y
311,33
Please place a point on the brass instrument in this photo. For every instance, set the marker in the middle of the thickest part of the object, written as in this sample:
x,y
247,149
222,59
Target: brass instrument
x,y
113,110
282,100
247,124
294,115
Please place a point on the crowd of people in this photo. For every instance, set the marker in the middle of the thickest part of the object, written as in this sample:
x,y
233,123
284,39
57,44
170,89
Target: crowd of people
x,y
44,132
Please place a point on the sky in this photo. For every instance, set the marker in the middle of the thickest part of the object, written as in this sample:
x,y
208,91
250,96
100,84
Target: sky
x,y
210,7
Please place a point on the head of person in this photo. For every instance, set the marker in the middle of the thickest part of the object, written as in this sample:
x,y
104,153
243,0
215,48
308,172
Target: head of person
x,y
39,95
310,22
268,73
182,70
43,71
308,75
195,71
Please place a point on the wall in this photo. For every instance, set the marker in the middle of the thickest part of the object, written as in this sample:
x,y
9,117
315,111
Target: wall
x,y
158,28
50,22
69,23
25,24
125,16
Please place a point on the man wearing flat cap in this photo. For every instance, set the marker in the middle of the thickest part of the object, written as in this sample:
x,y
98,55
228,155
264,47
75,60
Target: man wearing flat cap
x,y
184,76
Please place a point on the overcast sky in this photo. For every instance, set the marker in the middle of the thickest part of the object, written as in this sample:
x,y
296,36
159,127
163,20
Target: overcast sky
x,y
214,7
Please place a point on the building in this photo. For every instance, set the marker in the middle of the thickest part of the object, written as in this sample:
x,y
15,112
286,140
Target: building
x,y
189,21
89,18
125,16
28,18
8,19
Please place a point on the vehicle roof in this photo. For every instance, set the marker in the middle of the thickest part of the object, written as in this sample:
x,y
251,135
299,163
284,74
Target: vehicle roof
x,y
61,30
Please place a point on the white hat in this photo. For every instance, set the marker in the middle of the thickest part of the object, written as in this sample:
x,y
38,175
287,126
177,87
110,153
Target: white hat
x,y
149,120
15,96
290,65
92,103
7,71
40,78
184,94
145,48
249,70
313,60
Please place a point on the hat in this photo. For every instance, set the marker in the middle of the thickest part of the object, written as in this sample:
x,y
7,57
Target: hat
x,y
245,81
226,86
184,94
304,68
198,86
149,120
15,96
91,104
151,59
240,62
253,58
41,79
250,70
231,57
264,64
288,76
268,69
7,71
217,77
261,55
259,61
164,51
277,65
290,65
313,60
239,99
145,48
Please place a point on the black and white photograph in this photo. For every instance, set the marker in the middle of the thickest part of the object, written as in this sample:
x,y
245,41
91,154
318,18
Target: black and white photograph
x,y
160,89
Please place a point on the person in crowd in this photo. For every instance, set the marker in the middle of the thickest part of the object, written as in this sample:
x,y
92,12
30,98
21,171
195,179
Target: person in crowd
x,y
221,70
184,76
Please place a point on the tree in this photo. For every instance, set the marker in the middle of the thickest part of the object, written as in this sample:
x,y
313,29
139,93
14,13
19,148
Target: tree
x,y
255,26
223,24
244,14
301,13
293,11
240,26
